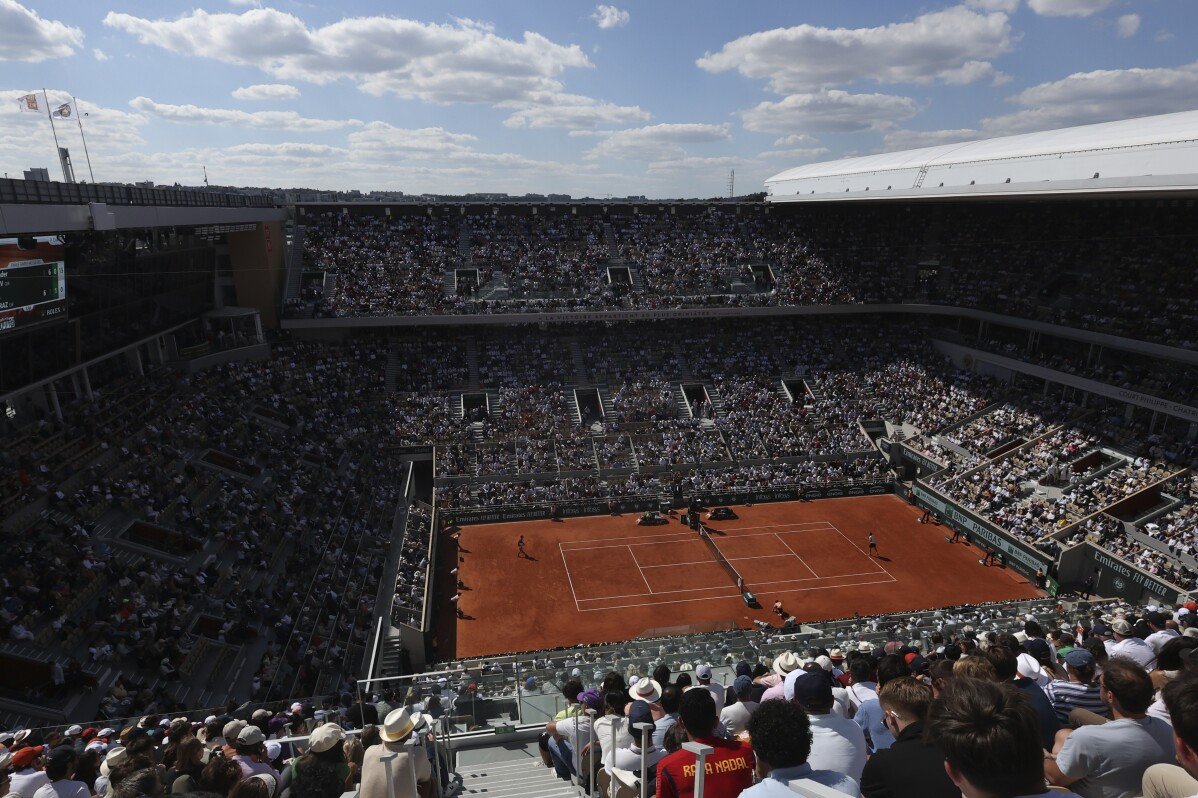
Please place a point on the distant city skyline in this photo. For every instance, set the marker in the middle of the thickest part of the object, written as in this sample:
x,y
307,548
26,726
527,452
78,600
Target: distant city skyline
x,y
657,98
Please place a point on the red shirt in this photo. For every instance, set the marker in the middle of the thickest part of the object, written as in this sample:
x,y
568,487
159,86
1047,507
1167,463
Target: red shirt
x,y
728,771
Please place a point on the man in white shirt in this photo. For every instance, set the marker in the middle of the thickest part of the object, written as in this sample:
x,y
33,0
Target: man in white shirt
x,y
837,743
1127,646
735,717
717,690
863,685
28,775
1109,760
60,767
1161,633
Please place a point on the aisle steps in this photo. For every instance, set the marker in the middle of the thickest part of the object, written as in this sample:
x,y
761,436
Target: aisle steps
x,y
524,778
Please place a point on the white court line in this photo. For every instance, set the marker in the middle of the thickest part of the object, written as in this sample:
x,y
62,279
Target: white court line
x,y
639,569
730,559
687,532
678,538
771,526
796,554
569,578
858,548
735,595
725,587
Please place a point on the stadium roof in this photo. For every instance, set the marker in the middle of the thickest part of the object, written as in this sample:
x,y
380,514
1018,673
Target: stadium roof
x,y
1155,154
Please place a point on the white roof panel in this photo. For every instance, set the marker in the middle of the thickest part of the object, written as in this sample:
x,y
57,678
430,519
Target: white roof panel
x,y
1131,148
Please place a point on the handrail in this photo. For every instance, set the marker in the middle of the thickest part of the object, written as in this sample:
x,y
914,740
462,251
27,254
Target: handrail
x,y
57,193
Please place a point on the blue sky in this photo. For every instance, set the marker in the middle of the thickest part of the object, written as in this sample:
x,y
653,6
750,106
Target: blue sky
x,y
660,98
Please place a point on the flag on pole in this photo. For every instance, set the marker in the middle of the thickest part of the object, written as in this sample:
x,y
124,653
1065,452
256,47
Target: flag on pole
x,y
63,111
29,103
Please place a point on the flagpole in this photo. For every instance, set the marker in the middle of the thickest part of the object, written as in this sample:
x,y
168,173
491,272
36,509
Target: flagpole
x,y
79,119
57,149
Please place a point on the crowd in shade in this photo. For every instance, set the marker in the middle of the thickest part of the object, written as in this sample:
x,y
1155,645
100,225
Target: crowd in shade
x,y
1091,701
1077,266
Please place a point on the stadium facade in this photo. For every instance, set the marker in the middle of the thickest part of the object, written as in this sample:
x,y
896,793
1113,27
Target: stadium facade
x,y
152,278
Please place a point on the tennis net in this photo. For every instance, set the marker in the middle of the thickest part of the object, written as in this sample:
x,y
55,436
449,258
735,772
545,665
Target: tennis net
x,y
721,559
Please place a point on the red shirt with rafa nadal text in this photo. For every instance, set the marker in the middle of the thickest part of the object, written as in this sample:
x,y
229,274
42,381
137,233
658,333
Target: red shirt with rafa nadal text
x,y
728,771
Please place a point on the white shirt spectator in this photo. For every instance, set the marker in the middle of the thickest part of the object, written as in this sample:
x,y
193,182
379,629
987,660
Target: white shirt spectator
x,y
736,717
63,788
837,744
1134,649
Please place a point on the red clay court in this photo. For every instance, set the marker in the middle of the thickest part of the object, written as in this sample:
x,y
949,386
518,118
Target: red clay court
x,y
603,578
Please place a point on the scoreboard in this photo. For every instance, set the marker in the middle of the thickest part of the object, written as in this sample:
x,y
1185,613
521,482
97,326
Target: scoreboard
x,y
33,282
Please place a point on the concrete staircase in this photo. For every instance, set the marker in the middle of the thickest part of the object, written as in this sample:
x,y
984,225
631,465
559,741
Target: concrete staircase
x,y
609,233
464,241
472,360
717,401
392,365
580,366
609,407
521,778
684,408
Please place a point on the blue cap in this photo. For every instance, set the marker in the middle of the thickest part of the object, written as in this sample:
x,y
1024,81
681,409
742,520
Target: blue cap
x,y
1079,658
742,684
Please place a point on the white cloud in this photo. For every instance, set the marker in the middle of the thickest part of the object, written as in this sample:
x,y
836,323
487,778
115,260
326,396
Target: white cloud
x,y
269,120
1005,6
831,111
794,139
1068,8
694,163
1164,35
99,55
1099,96
899,139
380,136
108,129
1127,25
1079,99
26,36
796,154
657,142
574,112
607,17
464,61
950,46
266,91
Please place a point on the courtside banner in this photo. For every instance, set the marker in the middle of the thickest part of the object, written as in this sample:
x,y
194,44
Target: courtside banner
x,y
1022,558
484,515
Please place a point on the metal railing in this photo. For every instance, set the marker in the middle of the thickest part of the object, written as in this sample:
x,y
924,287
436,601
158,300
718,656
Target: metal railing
x,y
42,192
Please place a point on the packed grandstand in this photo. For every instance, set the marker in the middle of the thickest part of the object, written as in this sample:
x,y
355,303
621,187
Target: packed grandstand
x,y
232,563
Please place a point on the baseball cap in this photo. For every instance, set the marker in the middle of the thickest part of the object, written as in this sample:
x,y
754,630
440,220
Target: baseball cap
x,y
824,662
590,699
61,755
232,729
75,731
251,735
23,757
1079,658
703,671
638,712
1038,647
1156,618
742,684
322,738
813,689
1121,627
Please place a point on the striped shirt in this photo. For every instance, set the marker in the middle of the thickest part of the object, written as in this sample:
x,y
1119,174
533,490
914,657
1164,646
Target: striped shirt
x,y
1067,696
